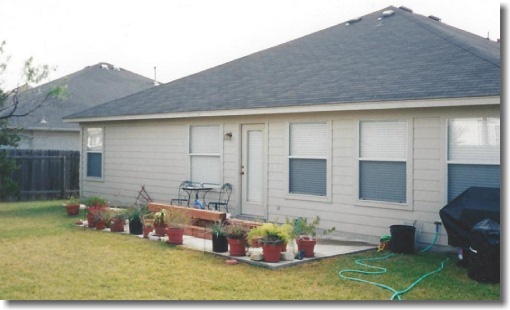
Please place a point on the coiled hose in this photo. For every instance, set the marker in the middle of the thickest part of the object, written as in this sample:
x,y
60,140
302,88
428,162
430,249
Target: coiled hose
x,y
381,270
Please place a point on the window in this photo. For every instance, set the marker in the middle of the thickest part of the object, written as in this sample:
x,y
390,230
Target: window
x,y
383,161
95,152
473,154
204,151
308,154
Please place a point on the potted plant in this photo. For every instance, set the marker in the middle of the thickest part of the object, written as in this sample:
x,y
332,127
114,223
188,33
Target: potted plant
x,y
272,238
73,206
148,223
219,237
236,236
100,216
159,222
96,209
118,220
135,220
305,234
176,219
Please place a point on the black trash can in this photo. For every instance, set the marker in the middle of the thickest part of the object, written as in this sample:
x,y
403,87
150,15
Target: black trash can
x,y
402,239
484,258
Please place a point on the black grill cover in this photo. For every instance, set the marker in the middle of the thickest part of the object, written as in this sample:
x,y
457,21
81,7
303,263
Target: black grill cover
x,y
462,213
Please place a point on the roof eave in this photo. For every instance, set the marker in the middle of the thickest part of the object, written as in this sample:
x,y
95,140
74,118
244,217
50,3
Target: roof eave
x,y
330,107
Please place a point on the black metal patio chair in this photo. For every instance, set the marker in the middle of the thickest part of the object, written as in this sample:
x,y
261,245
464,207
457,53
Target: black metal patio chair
x,y
183,197
223,199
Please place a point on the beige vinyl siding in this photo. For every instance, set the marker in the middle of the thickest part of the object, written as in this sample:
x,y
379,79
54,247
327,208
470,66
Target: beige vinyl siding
x,y
155,154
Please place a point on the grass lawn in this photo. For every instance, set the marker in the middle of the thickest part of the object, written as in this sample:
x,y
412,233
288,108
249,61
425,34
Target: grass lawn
x,y
44,256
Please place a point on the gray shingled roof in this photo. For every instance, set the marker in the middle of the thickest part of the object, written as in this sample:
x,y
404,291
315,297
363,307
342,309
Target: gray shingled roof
x,y
87,88
403,57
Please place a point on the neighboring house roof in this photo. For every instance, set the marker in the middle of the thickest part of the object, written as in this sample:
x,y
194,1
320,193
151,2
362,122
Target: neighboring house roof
x,y
86,88
401,57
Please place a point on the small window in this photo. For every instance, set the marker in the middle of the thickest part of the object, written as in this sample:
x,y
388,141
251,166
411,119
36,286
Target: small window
x,y
383,161
308,159
95,152
473,154
204,151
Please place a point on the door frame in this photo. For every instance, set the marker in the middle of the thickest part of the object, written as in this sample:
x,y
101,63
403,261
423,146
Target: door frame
x,y
264,127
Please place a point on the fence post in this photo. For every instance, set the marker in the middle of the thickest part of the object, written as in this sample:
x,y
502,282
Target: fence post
x,y
63,177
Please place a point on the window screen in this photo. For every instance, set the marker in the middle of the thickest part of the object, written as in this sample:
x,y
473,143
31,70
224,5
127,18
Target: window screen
x,y
204,149
308,159
383,161
95,152
473,154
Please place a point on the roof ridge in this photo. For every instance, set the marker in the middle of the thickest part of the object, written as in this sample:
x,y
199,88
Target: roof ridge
x,y
445,38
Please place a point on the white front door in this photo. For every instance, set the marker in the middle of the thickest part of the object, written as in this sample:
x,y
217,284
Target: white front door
x,y
253,172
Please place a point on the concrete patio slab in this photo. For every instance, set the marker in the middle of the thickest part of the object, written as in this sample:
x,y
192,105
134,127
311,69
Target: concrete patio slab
x,y
323,249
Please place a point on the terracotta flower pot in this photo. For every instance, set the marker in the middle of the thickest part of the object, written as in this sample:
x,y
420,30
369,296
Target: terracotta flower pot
x,y
160,230
73,209
91,221
306,244
147,230
175,235
237,247
271,252
100,225
117,225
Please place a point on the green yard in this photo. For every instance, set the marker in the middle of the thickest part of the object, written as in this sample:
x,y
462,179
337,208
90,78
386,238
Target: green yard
x,y
44,256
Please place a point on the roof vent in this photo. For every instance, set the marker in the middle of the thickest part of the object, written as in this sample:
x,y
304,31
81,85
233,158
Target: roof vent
x,y
116,68
435,18
105,67
403,8
352,21
386,14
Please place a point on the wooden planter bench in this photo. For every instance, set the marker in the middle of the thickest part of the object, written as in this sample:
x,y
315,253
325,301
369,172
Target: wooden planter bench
x,y
202,220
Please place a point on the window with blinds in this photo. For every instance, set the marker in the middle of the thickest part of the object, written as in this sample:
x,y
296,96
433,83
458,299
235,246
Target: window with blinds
x,y
94,152
383,161
204,151
308,155
473,154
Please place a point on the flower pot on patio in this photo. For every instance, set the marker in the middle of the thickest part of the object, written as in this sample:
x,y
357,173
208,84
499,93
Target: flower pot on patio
x,y
100,225
147,230
135,226
271,252
307,244
117,225
175,235
237,247
73,209
160,231
219,243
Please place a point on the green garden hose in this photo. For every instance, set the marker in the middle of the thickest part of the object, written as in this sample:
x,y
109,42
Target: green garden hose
x,y
381,270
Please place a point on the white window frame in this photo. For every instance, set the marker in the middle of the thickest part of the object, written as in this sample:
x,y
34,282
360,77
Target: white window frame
x,y
464,162
408,205
93,178
305,197
218,155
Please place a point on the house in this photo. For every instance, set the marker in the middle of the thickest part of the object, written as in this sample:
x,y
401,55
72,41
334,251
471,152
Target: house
x,y
91,86
377,121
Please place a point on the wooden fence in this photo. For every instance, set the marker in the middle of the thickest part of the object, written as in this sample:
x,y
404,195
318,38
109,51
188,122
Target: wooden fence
x,y
46,174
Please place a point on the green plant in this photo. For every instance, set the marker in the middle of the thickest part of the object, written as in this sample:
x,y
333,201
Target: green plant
x,y
177,218
96,201
160,217
74,200
121,214
270,233
236,231
148,219
301,227
218,229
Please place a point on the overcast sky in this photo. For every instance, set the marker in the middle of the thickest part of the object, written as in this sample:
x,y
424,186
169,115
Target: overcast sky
x,y
182,37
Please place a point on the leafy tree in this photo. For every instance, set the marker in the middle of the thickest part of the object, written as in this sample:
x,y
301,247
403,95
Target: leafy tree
x,y
10,108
